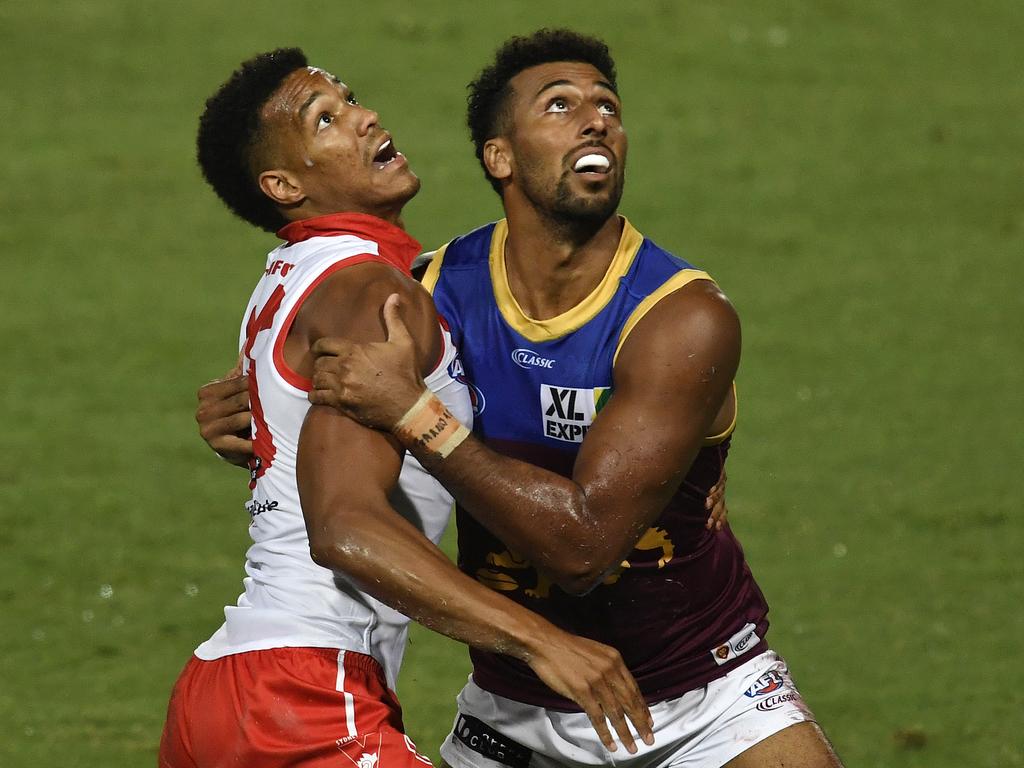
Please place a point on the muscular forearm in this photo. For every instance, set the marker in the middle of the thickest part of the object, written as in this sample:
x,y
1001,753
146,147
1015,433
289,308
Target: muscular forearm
x,y
545,517
392,561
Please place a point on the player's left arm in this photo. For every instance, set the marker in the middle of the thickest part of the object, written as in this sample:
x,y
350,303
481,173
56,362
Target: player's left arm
x,y
223,416
671,377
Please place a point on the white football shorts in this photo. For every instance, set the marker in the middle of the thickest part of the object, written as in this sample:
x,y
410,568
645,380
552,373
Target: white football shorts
x,y
705,727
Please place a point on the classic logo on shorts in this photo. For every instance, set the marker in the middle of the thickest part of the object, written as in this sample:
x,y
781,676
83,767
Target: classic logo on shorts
x,y
774,702
736,645
568,412
526,358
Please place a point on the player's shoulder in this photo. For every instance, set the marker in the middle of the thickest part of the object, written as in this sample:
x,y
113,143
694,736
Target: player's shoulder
x,y
654,253
653,272
677,302
697,304
460,264
357,282
349,303
699,299
695,319
468,249
343,295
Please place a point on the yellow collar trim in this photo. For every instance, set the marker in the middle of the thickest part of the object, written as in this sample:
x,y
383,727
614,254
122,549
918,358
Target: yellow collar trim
x,y
433,271
578,316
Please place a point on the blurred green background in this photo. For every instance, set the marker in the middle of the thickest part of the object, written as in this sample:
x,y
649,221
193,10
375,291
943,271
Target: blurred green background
x,y
851,172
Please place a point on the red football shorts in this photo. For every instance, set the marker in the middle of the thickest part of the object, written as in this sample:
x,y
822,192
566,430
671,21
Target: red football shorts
x,y
286,707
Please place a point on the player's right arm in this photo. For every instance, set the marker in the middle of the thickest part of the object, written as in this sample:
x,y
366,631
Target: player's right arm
x,y
345,473
671,380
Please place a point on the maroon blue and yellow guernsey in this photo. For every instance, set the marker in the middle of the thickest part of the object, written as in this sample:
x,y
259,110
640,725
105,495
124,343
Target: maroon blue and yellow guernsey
x,y
684,608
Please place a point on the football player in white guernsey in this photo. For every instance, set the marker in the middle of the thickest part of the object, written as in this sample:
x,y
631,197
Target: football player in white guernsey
x,y
301,672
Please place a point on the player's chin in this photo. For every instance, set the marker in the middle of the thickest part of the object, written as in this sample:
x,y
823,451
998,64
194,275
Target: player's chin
x,y
595,203
401,185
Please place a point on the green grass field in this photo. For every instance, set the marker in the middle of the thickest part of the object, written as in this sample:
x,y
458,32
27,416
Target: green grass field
x,y
851,172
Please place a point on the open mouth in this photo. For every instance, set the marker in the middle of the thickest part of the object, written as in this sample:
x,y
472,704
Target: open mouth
x,y
386,154
592,163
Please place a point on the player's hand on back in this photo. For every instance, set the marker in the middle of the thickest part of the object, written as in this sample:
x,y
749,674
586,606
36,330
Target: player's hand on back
x,y
374,383
596,678
719,515
224,418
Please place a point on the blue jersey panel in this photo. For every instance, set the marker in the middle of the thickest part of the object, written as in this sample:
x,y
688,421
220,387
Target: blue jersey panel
x,y
541,391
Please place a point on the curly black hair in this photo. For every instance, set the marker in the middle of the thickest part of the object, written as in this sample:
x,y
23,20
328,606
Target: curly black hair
x,y
488,102
229,131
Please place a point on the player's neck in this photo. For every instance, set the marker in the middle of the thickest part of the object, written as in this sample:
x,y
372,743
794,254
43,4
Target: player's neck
x,y
392,214
553,266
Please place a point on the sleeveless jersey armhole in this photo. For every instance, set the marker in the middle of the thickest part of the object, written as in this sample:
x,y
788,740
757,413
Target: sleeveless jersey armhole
x,y
284,370
673,284
724,434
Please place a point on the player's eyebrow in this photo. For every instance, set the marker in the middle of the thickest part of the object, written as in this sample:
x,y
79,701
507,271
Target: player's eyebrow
x,y
556,83
308,102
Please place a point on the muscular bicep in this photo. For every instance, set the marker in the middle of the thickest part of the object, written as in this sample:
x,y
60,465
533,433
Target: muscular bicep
x,y
349,305
344,472
671,378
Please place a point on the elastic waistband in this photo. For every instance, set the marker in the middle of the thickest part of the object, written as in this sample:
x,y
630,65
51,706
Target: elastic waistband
x,y
354,660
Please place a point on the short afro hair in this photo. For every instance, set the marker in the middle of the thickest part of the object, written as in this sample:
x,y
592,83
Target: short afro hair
x,y
487,111
229,131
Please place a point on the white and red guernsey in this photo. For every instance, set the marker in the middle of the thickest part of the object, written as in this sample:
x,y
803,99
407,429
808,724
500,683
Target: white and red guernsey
x,y
290,601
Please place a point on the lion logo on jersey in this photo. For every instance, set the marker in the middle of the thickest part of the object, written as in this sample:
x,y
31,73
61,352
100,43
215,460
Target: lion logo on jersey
x,y
655,538
502,581
505,582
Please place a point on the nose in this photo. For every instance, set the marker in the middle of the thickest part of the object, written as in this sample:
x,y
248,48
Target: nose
x,y
367,121
596,122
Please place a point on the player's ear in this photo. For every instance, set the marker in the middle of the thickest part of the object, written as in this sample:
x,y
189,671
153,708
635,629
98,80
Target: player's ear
x,y
281,187
498,158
